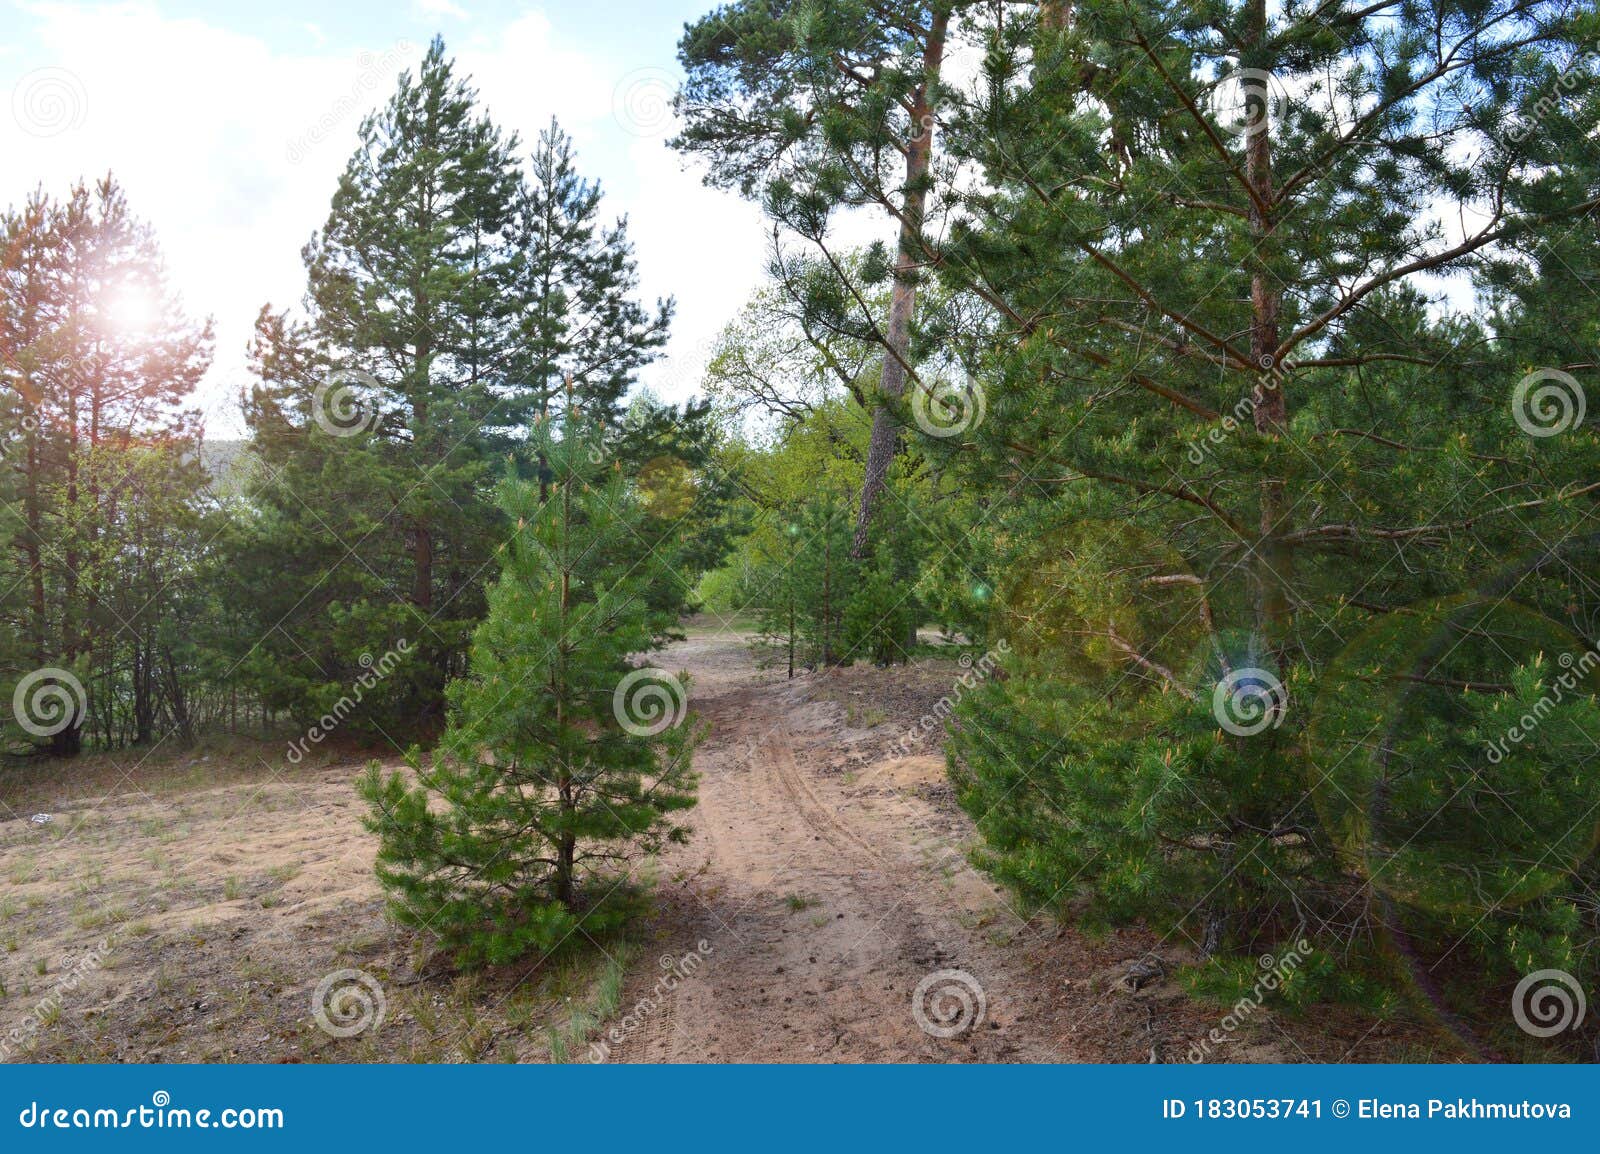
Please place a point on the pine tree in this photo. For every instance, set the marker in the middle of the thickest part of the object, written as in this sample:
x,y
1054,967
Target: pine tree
x,y
817,106
98,360
325,497
578,329
884,606
562,764
370,416
1236,433
688,498
805,584
451,299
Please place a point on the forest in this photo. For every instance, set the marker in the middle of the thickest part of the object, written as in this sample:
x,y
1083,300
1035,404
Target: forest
x,y
1181,406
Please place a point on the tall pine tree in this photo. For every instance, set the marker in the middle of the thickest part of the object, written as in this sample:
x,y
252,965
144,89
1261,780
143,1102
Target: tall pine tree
x,y
1240,434
815,107
577,327
450,299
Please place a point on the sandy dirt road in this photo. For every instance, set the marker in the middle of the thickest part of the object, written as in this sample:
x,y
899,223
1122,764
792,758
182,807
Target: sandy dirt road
x,y
827,904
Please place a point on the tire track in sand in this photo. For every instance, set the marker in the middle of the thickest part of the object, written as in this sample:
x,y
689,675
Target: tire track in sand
x,y
818,908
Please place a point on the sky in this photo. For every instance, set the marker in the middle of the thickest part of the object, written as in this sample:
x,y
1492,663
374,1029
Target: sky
x,y
228,125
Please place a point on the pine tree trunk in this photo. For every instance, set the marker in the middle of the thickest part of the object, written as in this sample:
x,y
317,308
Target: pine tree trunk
x,y
566,857
143,702
69,600
422,546
566,842
827,594
1271,406
422,581
885,441
1053,14
431,658
182,719
30,549
69,742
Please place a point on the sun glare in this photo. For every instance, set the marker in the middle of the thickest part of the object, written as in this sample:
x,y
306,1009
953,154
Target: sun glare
x,y
131,311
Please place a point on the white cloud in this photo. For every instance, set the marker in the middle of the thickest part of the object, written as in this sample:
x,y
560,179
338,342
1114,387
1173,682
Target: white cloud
x,y
199,125
230,148
701,246
440,8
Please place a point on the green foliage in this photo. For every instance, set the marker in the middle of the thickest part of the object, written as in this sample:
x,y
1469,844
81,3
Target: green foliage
x,y
885,609
549,783
1292,553
805,582
575,324
1231,447
454,299
106,521
369,419
689,499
